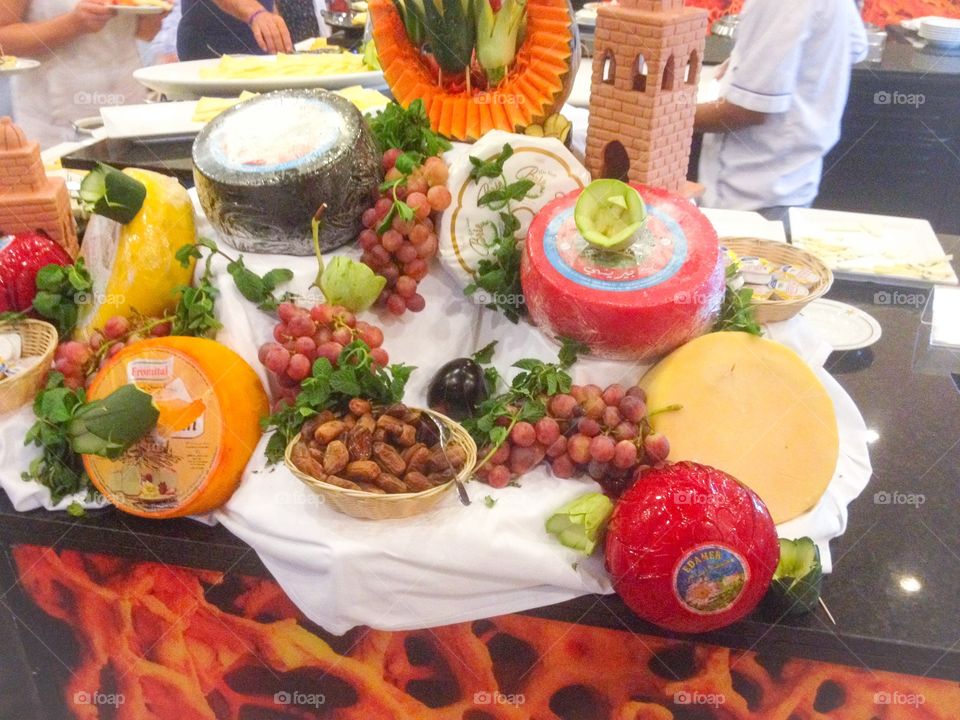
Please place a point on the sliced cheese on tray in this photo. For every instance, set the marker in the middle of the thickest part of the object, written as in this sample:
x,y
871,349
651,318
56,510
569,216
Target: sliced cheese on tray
x,y
752,408
210,402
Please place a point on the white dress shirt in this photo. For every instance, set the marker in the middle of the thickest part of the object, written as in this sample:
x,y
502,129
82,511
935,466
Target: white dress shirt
x,y
791,60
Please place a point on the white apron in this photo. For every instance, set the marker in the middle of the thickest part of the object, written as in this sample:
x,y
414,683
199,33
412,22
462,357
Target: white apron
x,y
76,79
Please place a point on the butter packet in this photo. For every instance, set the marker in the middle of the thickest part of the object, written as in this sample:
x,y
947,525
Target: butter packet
x,y
789,290
803,275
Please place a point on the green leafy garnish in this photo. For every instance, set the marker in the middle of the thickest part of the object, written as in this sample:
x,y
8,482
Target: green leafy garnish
x,y
68,426
484,356
110,426
737,314
60,289
407,129
525,400
489,501
330,388
498,275
580,523
10,316
258,289
570,351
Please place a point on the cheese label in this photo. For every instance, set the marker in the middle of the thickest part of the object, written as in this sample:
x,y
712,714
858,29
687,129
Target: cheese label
x,y
170,464
467,229
709,579
656,256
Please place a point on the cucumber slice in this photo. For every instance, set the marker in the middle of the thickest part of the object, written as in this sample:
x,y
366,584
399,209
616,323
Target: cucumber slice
x,y
580,523
107,191
609,214
795,588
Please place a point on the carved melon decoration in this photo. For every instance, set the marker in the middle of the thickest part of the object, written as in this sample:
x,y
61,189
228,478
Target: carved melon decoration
x,y
464,106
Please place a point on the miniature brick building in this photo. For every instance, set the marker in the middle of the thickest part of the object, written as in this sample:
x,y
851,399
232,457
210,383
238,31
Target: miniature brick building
x,y
643,94
29,200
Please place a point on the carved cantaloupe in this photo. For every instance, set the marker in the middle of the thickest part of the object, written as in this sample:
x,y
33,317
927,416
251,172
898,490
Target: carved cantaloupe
x,y
210,402
536,85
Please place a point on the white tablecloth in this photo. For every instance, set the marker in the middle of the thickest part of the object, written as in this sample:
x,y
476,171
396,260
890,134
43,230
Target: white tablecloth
x,y
455,563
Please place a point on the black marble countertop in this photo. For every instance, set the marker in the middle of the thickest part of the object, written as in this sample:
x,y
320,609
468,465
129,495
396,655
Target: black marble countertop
x,y
902,58
896,581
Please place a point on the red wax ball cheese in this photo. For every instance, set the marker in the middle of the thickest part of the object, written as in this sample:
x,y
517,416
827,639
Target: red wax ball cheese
x,y
641,303
21,257
691,549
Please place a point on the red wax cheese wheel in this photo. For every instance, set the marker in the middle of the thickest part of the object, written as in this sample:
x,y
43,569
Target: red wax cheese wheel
x,y
691,549
210,402
639,304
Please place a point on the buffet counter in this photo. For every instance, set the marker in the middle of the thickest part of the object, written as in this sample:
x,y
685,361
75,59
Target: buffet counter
x,y
892,592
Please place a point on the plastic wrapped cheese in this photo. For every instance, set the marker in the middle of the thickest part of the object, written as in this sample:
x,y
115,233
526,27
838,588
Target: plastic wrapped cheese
x,y
466,229
635,304
210,403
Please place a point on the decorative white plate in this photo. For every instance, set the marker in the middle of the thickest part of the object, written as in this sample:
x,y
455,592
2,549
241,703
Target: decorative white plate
x,y
140,9
862,247
844,326
21,66
182,81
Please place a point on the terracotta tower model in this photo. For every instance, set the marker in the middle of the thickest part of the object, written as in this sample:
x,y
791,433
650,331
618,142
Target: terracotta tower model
x,y
643,95
29,200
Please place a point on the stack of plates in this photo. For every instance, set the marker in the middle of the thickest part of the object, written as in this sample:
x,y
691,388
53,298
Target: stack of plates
x,y
940,31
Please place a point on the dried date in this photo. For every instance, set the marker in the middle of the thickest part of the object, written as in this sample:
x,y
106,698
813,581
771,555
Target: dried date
x,y
329,431
360,443
417,482
362,471
336,457
389,459
391,483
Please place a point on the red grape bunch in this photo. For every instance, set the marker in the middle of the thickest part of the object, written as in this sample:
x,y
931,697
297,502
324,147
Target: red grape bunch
x,y
590,431
303,335
78,361
401,252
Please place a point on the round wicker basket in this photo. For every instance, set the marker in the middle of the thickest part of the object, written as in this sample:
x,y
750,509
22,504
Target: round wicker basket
x,y
769,311
39,339
372,506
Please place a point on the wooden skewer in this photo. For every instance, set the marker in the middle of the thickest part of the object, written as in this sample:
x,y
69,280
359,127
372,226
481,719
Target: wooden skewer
x,y
827,610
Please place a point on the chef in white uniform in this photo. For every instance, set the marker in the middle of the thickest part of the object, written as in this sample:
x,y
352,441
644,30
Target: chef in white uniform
x,y
88,54
782,100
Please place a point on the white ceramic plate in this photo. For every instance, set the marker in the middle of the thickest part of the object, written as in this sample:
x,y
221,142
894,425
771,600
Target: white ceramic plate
x,y
843,326
140,9
182,81
22,65
857,246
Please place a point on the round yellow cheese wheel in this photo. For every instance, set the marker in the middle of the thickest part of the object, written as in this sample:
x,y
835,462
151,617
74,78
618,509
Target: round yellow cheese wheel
x,y
210,402
752,408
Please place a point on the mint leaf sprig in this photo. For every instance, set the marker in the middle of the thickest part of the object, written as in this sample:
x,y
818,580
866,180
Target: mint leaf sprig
x,y
525,400
258,289
59,288
737,314
407,129
498,274
332,388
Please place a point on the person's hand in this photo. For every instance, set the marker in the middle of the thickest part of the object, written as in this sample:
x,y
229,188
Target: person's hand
x,y
92,15
271,34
